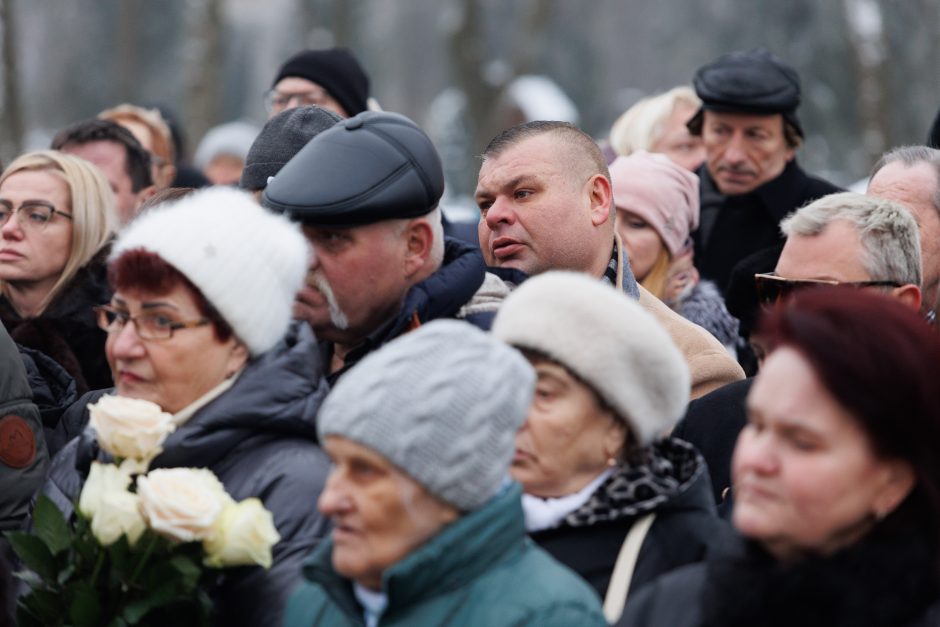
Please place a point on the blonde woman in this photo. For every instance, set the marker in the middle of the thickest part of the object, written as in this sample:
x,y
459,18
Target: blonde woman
x,y
56,218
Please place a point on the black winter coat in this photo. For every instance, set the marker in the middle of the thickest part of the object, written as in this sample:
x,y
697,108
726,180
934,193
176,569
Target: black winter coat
x,y
67,330
884,580
677,490
734,227
259,438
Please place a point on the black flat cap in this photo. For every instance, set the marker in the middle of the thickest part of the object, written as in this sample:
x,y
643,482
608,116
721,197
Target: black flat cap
x,y
753,81
372,167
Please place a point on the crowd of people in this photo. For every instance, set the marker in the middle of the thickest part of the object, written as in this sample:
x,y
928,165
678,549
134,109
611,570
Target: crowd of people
x,y
669,379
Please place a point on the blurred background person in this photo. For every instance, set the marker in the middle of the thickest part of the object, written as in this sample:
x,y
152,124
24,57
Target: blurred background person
x,y
836,478
118,155
657,208
427,527
153,133
331,78
57,217
658,124
602,484
200,324
221,153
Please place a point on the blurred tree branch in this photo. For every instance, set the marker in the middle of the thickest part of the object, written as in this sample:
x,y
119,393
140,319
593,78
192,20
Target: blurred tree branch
x,y
11,118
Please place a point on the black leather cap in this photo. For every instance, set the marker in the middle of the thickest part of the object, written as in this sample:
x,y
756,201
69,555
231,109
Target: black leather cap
x,y
372,167
753,81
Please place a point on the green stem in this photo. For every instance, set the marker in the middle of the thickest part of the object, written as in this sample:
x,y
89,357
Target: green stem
x,y
98,564
143,560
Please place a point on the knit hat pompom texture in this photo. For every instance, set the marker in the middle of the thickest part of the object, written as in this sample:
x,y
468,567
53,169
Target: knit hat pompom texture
x,y
605,339
442,403
246,261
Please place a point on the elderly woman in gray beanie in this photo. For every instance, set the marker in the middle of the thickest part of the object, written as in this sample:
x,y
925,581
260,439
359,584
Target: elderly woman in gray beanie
x,y
428,528
200,324
605,492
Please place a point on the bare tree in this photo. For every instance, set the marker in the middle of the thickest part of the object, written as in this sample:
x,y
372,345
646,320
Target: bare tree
x,y
205,60
11,119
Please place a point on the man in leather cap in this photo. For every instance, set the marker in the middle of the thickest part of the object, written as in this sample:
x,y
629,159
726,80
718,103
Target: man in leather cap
x,y
750,180
366,192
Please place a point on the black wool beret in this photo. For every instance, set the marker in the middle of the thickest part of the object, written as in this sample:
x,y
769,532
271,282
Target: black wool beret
x,y
372,167
753,81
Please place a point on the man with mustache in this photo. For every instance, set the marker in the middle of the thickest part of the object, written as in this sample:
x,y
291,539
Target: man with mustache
x,y
366,192
750,180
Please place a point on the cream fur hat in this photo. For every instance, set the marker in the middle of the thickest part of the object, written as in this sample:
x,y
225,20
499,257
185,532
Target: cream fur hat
x,y
246,261
606,340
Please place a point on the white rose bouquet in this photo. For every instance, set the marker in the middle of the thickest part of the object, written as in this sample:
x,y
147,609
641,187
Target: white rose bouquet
x,y
138,552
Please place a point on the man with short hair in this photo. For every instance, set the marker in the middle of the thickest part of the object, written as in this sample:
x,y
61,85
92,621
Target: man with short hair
x,y
910,175
545,200
119,156
366,192
750,180
331,78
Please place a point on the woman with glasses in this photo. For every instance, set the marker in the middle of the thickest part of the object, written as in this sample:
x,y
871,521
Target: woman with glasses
x,y
836,478
57,216
200,324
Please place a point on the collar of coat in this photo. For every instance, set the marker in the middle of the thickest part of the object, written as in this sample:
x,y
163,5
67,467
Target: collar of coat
x,y
779,196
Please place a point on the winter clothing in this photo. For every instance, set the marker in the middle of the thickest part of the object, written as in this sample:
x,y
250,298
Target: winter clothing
x,y
443,404
54,391
933,136
664,194
373,167
713,423
883,580
67,330
334,69
733,227
23,456
248,263
754,82
479,570
455,290
704,306
606,340
281,138
232,139
259,438
669,478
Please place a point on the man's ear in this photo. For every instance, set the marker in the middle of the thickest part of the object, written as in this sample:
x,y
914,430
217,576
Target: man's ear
x,y
419,237
602,200
908,294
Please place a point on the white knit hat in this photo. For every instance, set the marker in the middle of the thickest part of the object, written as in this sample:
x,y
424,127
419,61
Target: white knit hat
x,y
246,261
605,339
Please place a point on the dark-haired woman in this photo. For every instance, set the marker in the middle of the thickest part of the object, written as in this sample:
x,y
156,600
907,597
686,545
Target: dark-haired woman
x,y
836,479
200,324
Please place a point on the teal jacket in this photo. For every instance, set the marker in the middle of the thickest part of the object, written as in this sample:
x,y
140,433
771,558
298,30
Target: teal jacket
x,y
480,570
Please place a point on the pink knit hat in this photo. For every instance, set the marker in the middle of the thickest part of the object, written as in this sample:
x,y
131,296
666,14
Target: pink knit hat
x,y
659,191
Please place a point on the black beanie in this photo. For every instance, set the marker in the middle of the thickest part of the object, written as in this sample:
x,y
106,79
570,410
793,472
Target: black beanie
x,y
334,69
281,138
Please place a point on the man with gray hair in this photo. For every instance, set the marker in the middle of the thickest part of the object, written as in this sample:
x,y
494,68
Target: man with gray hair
x,y
850,239
366,191
910,175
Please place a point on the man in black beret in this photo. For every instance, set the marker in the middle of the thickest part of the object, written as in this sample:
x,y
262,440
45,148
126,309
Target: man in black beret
x,y
331,78
366,192
750,179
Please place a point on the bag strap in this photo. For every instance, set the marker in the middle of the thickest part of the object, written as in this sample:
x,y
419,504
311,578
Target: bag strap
x,y
619,587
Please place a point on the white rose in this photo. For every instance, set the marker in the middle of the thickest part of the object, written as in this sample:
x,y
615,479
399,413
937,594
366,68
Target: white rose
x,y
130,427
112,509
182,503
244,535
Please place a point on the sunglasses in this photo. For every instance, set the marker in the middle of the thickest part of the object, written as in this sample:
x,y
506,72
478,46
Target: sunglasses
x,y
772,288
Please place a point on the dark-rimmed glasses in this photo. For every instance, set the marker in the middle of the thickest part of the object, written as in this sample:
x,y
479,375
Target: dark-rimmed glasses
x,y
276,101
31,214
149,326
771,288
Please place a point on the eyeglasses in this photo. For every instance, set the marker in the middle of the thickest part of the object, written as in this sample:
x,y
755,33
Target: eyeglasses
x,y
150,326
276,101
32,215
771,288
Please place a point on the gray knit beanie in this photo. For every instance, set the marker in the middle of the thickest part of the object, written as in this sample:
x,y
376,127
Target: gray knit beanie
x,y
281,138
442,403
606,340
